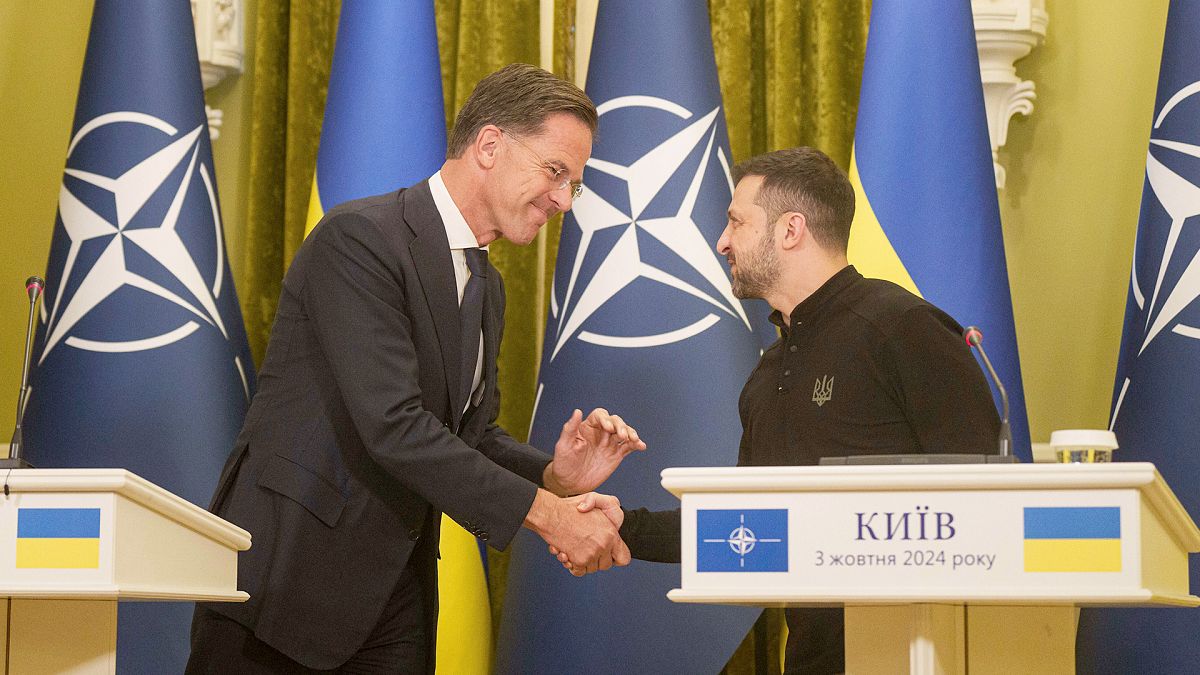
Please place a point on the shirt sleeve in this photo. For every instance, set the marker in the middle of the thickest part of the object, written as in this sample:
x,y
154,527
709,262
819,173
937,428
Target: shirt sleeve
x,y
653,536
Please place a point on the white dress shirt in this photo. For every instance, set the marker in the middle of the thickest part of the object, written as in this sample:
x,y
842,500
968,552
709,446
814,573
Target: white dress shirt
x,y
460,236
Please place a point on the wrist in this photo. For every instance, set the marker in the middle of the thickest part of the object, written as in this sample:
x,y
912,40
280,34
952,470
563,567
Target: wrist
x,y
551,483
542,513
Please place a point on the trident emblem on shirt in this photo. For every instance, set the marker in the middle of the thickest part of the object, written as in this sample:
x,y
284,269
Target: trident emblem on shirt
x,y
823,390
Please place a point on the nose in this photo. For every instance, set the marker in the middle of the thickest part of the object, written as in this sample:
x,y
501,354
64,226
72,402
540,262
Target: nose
x,y
723,242
562,198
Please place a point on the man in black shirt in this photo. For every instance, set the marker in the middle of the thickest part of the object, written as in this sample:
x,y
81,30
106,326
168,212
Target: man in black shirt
x,y
861,367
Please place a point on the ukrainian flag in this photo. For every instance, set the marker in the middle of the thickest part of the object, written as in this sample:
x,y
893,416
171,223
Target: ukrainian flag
x,y
385,119
385,128
58,538
926,214
1073,539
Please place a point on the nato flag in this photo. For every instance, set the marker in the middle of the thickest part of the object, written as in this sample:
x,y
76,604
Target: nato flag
x,y
1154,399
141,360
643,322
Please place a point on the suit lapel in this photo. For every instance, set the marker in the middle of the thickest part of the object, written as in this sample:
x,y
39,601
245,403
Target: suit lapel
x,y
430,252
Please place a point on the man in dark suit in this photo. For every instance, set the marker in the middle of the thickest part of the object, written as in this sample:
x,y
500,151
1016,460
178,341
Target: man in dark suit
x,y
377,401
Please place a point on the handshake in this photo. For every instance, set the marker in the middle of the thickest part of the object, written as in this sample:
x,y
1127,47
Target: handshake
x,y
581,531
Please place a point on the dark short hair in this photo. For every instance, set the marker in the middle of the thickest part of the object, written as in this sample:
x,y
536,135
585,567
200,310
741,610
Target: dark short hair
x,y
804,180
518,98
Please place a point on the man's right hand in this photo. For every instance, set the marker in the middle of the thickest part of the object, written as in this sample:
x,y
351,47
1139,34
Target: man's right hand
x,y
588,541
609,505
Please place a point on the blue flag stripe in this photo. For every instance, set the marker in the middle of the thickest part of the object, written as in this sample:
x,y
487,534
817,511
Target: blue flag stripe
x,y
58,523
1073,522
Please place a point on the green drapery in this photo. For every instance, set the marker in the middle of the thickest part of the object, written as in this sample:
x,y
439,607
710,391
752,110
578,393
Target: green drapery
x,y
789,71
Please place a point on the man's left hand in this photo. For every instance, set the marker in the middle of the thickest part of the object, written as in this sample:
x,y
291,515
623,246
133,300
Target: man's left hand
x,y
588,451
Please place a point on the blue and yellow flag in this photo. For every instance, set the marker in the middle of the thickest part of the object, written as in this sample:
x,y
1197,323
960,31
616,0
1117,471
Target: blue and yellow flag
x,y
642,298
385,119
384,129
927,216
1072,539
141,360
58,538
1156,389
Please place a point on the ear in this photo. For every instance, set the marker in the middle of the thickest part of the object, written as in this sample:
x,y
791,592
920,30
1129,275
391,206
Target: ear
x,y
486,145
793,230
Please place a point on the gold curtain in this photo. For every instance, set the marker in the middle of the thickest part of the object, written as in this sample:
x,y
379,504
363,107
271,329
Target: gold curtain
x,y
293,45
789,72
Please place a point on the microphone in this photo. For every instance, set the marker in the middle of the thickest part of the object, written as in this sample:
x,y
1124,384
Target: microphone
x,y
33,288
974,338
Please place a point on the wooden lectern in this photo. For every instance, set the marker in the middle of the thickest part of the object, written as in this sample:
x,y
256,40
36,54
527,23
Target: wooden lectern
x,y
941,568
73,542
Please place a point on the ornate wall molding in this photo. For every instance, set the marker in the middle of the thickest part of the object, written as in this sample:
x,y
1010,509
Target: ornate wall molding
x,y
219,44
1006,31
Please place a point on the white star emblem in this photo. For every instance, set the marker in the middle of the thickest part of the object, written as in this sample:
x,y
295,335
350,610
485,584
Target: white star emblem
x,y
130,192
1181,200
624,263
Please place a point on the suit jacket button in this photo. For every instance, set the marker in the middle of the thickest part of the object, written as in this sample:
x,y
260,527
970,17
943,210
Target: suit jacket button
x,y
414,534
483,536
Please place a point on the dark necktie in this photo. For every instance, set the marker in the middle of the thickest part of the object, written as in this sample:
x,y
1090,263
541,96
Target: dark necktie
x,y
471,317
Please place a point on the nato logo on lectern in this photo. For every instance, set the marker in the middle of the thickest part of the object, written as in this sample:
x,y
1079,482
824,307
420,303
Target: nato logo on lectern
x,y
748,540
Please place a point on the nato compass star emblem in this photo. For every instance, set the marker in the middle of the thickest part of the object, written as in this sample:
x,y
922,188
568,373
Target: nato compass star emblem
x,y
131,227
742,540
626,209
1180,198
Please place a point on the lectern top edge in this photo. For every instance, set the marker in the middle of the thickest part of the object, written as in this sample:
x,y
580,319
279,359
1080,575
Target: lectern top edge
x,y
132,487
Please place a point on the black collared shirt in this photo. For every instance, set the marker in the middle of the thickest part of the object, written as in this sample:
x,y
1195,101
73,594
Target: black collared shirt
x,y
864,367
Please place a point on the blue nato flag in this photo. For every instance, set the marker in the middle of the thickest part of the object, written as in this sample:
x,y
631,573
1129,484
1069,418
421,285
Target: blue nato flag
x,y
642,321
1156,389
141,360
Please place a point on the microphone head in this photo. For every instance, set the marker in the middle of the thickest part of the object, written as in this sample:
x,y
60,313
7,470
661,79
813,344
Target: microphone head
x,y
34,286
973,336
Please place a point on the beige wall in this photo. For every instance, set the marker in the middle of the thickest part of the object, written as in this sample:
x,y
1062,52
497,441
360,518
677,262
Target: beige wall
x,y
1070,209
42,46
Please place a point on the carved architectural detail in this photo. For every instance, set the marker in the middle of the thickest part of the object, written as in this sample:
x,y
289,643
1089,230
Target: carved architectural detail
x,y
1006,31
219,45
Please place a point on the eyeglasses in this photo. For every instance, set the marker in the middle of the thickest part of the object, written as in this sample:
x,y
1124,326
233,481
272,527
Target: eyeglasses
x,y
557,174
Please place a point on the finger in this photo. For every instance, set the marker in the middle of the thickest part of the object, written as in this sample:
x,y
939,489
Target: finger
x,y
602,419
555,552
621,554
562,558
572,424
587,503
606,561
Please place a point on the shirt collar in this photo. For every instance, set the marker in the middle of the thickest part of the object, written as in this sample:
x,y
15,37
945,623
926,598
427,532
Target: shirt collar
x,y
458,233
810,306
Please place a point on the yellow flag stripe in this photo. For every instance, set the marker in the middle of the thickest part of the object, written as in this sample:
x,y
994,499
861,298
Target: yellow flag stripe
x,y
1072,555
870,251
464,642
315,211
58,553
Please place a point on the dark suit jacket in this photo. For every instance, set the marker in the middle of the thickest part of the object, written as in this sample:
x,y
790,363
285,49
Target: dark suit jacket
x,y
349,451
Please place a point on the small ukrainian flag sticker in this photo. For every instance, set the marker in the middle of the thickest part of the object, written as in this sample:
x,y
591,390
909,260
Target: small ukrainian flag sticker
x,y
1073,539
58,538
